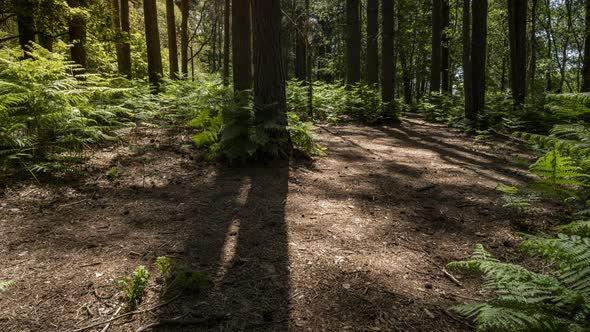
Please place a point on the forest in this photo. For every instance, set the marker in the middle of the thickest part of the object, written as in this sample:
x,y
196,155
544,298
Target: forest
x,y
295,165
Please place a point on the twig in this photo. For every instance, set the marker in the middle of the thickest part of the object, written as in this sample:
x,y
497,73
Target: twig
x,y
91,264
128,314
73,203
453,279
457,319
106,327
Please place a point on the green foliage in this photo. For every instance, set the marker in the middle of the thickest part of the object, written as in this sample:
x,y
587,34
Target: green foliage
x,y
113,173
558,175
442,108
178,277
4,285
48,116
529,301
134,286
516,199
302,136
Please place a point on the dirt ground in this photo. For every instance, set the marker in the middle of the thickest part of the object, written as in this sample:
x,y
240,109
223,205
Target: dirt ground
x,y
353,241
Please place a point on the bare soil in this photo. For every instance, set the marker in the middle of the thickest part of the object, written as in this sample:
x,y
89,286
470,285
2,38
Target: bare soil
x,y
353,241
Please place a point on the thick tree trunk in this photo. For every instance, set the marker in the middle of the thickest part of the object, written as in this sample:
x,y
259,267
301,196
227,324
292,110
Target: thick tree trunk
x,y
184,11
300,44
435,64
226,41
353,42
586,66
445,54
478,56
242,45
467,87
372,61
269,76
387,92
46,41
77,32
26,25
517,17
152,36
172,46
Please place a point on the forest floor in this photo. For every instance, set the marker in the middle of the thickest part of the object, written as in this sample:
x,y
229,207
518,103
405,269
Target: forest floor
x,y
353,241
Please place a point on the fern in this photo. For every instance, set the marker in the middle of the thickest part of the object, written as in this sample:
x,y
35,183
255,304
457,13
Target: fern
x,y
558,175
4,285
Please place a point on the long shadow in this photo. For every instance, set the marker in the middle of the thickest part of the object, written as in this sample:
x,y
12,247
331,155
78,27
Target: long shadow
x,y
239,237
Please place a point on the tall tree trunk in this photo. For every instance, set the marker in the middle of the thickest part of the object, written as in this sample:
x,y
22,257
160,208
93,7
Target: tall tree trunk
x,y
470,114
445,54
533,48
77,32
46,41
26,25
478,55
372,61
172,46
517,17
435,64
586,66
353,42
300,45
152,36
125,46
269,76
184,11
241,45
387,51
226,40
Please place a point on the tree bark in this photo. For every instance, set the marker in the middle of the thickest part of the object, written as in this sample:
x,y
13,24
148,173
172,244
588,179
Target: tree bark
x,y
586,65
77,32
242,45
152,35
226,41
270,99
184,10
372,61
125,65
26,25
533,48
353,44
478,57
435,64
445,54
387,92
172,46
517,17
470,115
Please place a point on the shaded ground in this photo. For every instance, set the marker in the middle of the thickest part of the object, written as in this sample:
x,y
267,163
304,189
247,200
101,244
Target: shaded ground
x,y
353,241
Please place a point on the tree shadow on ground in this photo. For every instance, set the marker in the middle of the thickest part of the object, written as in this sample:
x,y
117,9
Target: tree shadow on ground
x,y
239,237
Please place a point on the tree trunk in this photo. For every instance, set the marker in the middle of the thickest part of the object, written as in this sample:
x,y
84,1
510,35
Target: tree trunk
x,y
226,41
533,49
242,45
372,61
517,17
586,66
46,41
152,36
353,42
125,46
77,32
184,10
470,115
387,52
26,25
478,56
172,46
300,45
435,64
445,54
270,99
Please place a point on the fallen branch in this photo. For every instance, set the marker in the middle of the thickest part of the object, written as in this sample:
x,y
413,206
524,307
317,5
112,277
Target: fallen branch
x,y
128,314
106,327
453,279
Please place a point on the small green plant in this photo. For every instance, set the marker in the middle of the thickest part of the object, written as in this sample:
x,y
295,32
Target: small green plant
x,y
134,286
4,285
558,175
515,199
178,277
113,174
302,136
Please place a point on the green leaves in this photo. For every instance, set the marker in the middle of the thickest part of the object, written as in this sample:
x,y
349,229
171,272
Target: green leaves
x,y
134,286
558,175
